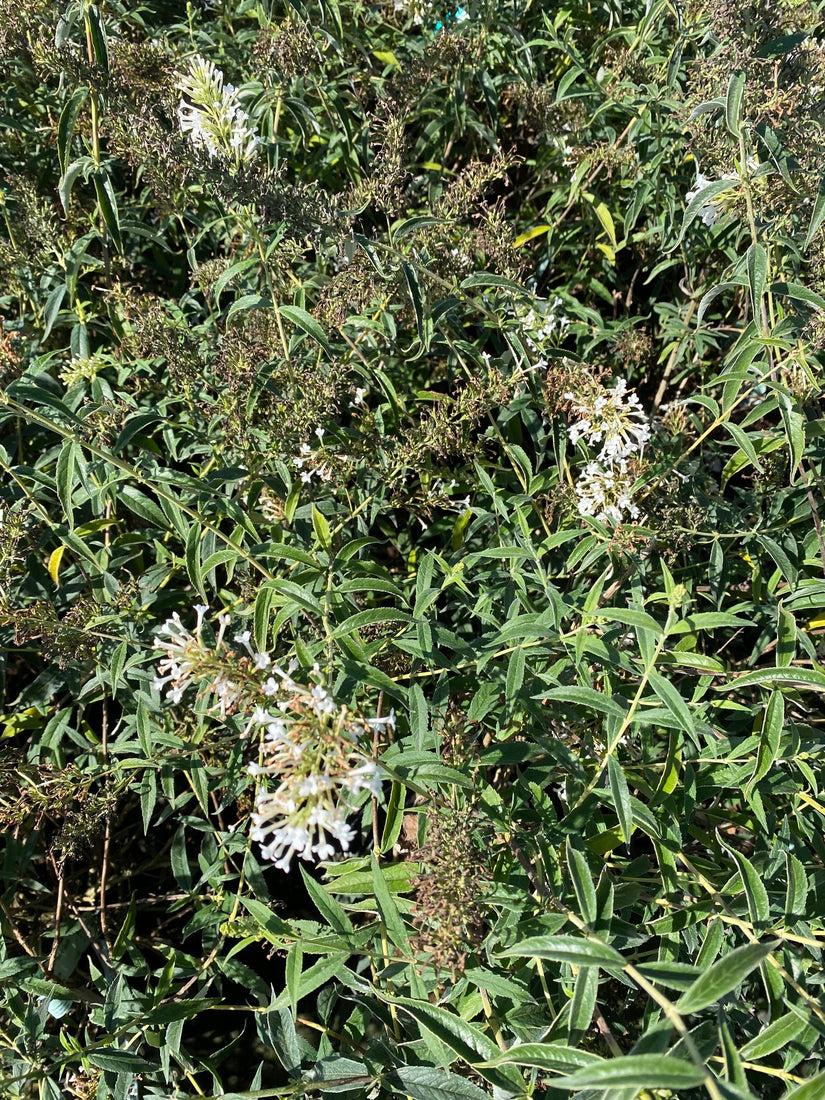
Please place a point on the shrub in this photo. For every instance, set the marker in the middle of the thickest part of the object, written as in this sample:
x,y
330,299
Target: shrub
x,y
411,560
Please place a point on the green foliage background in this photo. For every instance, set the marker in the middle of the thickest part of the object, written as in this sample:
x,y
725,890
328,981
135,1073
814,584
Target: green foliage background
x,y
597,866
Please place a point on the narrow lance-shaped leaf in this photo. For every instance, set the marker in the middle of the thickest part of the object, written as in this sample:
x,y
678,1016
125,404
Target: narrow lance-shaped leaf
x,y
583,1004
725,975
569,949
640,1071
65,128
621,797
108,207
769,739
733,103
582,881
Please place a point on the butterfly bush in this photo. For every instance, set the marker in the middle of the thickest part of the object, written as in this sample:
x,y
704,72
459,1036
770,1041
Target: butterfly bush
x,y
312,759
212,116
614,421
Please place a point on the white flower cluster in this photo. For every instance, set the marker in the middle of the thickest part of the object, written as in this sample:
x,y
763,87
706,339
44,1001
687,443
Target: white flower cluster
x,y
413,9
541,325
320,464
438,493
212,116
615,422
310,749
187,659
310,754
417,10
711,210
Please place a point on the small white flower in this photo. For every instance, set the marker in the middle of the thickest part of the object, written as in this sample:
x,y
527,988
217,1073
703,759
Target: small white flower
x,y
211,114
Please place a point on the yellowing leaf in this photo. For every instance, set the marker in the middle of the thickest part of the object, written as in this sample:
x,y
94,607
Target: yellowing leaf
x,y
606,218
55,559
387,57
536,231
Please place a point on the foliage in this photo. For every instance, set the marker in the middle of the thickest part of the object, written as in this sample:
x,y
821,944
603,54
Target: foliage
x,y
411,564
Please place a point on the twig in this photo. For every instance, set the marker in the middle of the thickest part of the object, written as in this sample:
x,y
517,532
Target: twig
x,y
15,931
107,835
58,913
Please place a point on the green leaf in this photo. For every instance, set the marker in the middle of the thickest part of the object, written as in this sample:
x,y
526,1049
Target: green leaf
x,y
621,796
124,936
293,970
267,919
801,293
796,890
394,819
515,675
783,562
673,975
725,975
369,618
226,277
429,1083
551,1056
320,526
119,1061
247,301
66,476
583,1004
419,716
589,698
329,907
640,1071
628,617
462,1037
759,908
672,700
486,278
307,323
777,1036
332,966
423,323
141,505
756,261
277,1028
148,792
707,620
813,1089
582,880
769,739
387,908
745,444
298,595
80,167
773,677
108,206
51,310
733,103
411,225
97,35
569,949
193,560
65,128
